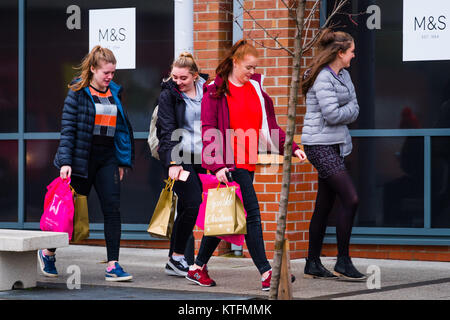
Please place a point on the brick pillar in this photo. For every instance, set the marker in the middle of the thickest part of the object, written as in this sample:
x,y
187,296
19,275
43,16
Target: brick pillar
x,y
213,34
273,16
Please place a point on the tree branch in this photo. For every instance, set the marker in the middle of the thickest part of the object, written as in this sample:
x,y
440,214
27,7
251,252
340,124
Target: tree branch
x,y
338,6
268,34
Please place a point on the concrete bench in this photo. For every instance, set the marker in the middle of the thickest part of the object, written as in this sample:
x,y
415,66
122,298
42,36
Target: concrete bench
x,y
18,258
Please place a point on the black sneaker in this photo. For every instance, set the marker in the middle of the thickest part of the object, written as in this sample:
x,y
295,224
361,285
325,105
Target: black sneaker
x,y
169,271
180,268
315,270
345,270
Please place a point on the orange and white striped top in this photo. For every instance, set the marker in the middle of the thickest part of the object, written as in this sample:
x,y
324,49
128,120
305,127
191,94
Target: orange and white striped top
x,y
105,116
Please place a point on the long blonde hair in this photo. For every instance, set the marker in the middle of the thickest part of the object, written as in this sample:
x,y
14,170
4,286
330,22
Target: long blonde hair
x,y
92,59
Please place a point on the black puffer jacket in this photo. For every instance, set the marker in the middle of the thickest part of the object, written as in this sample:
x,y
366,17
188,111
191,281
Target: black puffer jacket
x,y
77,126
171,116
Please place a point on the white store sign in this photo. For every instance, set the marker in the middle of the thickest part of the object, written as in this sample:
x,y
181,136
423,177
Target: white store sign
x,y
115,29
426,30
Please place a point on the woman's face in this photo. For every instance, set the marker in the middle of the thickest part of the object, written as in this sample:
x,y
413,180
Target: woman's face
x,y
103,75
183,78
347,56
245,68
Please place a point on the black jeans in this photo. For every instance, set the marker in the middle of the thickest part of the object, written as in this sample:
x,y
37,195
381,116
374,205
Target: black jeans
x,y
254,236
189,194
103,174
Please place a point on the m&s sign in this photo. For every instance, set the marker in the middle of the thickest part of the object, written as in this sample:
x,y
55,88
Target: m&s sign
x,y
115,29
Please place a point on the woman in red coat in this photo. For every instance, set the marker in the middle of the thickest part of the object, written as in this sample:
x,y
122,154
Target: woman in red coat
x,y
235,106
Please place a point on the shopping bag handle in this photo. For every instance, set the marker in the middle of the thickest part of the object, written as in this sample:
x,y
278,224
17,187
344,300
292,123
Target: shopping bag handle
x,y
66,180
169,184
218,186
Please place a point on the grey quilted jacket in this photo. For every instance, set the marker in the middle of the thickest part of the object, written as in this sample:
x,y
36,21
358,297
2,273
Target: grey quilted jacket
x,y
330,106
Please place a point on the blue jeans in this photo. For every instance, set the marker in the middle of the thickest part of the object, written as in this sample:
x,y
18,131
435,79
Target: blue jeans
x,y
254,236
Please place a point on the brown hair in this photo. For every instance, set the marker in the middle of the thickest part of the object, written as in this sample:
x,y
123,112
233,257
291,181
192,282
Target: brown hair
x,y
330,44
237,52
92,59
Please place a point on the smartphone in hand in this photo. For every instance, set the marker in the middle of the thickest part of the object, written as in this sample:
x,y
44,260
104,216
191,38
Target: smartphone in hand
x,y
184,175
229,176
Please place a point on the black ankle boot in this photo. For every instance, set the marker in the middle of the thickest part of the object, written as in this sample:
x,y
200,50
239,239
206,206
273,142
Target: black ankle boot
x,y
315,269
345,270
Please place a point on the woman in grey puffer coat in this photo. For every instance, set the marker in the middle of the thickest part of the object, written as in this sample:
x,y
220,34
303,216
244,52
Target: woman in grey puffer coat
x,y
330,106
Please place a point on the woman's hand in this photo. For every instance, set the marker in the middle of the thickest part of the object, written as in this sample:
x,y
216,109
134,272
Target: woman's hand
x,y
174,172
299,153
65,172
121,172
221,175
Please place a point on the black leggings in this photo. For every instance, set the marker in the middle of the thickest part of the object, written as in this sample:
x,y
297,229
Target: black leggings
x,y
189,199
339,184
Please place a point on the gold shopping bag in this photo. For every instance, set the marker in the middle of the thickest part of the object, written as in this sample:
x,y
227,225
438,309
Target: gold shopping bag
x,y
241,227
80,217
161,224
224,213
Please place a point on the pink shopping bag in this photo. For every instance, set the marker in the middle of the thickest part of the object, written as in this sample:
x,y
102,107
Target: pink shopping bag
x,y
58,207
210,181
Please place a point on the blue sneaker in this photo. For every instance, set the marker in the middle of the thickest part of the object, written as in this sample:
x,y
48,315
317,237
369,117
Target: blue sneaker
x,y
47,264
117,274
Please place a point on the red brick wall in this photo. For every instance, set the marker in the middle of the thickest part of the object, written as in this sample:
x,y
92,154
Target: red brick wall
x,y
212,32
397,252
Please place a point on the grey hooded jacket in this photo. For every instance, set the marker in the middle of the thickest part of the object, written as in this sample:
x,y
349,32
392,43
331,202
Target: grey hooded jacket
x,y
330,106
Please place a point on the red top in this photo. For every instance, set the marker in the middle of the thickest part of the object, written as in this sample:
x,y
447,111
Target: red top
x,y
245,120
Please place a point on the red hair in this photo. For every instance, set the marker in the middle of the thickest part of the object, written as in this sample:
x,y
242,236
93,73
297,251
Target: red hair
x,y
236,53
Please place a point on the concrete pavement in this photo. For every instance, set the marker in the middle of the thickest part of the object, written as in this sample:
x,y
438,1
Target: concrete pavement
x,y
236,278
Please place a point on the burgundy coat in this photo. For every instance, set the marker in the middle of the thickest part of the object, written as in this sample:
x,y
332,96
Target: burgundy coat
x,y
216,121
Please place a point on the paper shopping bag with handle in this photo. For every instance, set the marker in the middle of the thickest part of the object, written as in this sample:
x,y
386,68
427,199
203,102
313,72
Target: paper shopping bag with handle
x,y
224,213
162,220
80,217
210,181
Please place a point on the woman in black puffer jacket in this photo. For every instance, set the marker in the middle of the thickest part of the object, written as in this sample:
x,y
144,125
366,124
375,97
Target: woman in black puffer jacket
x,y
180,145
96,145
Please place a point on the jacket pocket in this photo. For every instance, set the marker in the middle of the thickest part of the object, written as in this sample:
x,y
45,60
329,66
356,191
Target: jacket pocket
x,y
321,124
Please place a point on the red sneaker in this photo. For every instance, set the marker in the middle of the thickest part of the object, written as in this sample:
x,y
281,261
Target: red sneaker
x,y
201,277
266,282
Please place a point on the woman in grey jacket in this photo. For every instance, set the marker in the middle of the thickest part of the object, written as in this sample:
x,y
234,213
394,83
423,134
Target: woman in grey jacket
x,y
330,106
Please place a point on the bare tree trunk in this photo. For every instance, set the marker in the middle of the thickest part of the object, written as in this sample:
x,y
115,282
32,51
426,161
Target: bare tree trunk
x,y
292,105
